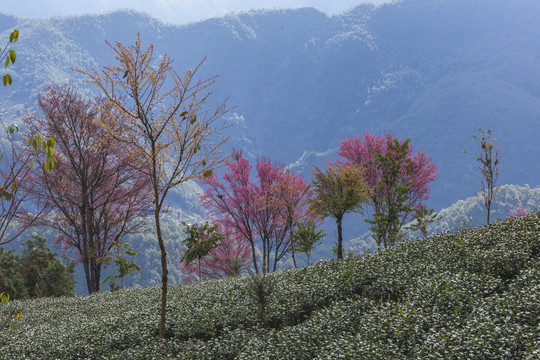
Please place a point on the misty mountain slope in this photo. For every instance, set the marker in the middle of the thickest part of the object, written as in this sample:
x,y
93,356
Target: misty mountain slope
x,y
432,71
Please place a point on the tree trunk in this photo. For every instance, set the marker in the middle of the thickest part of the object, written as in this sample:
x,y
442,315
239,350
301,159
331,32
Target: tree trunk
x,y
163,273
340,239
92,272
87,275
254,256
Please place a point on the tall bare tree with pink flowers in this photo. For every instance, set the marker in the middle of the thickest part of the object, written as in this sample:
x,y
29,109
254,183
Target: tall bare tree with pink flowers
x,y
93,196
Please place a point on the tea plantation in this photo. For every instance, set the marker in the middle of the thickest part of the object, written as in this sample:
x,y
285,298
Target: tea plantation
x,y
474,294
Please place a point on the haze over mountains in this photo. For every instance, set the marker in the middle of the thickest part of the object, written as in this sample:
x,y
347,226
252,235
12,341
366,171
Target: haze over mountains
x,y
168,11
301,81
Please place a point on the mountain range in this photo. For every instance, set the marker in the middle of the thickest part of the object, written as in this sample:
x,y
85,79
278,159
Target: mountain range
x,y
300,81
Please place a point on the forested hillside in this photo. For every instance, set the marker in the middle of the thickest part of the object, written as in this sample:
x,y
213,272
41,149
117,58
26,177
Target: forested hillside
x,y
300,81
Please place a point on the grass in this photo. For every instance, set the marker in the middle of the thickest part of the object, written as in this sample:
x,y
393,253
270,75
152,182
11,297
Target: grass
x,y
470,295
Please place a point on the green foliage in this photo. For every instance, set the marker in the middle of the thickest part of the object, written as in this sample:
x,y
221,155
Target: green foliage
x,y
261,288
123,267
37,273
201,240
306,236
470,295
423,219
47,145
12,283
6,193
10,56
392,193
10,318
338,190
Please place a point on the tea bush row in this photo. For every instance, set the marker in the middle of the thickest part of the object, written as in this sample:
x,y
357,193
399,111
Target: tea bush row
x,y
474,294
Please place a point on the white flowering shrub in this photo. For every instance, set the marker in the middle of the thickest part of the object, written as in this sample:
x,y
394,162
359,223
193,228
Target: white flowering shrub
x,y
470,295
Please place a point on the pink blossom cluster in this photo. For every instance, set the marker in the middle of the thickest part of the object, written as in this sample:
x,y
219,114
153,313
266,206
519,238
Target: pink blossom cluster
x,y
520,212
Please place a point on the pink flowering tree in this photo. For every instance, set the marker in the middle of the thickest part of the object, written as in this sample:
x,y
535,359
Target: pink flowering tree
x,y
399,180
289,197
262,212
94,196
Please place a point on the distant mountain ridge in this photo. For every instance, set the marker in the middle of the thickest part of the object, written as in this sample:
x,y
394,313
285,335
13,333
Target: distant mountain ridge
x,y
432,71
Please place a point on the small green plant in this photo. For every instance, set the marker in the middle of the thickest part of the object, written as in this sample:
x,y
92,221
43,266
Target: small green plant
x,y
261,288
124,267
11,318
424,217
307,236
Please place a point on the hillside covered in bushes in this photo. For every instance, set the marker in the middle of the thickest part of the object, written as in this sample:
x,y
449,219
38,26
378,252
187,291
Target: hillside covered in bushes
x,y
474,294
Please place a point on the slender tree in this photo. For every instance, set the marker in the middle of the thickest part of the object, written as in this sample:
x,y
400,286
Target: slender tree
x,y
123,266
167,120
214,252
424,217
489,159
338,190
93,197
306,236
399,180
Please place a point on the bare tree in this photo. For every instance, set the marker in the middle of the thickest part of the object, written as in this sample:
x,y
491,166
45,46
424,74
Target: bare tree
x,y
489,159
168,121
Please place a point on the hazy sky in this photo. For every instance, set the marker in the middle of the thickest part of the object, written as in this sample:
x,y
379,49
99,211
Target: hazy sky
x,y
173,11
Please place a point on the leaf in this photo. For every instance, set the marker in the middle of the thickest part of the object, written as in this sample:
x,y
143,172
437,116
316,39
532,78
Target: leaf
x,y
125,75
12,56
19,315
7,61
207,173
31,164
183,114
12,128
49,152
50,142
14,36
